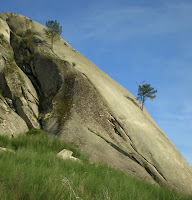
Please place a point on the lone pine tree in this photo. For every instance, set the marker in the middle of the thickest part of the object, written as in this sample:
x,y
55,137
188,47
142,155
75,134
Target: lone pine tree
x,y
53,31
145,91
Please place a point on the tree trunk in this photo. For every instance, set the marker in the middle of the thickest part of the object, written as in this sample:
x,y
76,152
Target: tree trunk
x,y
142,103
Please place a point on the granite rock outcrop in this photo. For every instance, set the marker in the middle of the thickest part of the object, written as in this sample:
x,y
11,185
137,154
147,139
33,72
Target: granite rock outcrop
x,y
42,88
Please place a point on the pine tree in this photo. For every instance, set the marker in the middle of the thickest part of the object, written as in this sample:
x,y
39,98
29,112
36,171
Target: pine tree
x,y
145,91
53,30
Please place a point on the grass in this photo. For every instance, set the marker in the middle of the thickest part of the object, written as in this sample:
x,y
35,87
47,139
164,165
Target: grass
x,y
35,173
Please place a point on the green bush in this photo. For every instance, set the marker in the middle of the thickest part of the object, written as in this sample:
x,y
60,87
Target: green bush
x,y
35,131
1,36
28,33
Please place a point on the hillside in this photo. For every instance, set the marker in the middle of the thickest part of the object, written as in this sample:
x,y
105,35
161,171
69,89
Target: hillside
x,y
33,171
66,95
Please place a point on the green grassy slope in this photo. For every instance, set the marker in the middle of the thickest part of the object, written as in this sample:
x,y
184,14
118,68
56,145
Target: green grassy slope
x,y
35,173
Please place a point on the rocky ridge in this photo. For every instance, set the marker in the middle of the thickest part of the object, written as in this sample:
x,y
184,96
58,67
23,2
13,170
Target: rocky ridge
x,y
41,88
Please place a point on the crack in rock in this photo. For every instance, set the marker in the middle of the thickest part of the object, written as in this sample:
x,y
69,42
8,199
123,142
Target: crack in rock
x,y
142,161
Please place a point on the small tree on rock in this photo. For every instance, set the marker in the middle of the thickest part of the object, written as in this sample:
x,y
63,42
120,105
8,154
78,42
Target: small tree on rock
x,y
53,31
145,91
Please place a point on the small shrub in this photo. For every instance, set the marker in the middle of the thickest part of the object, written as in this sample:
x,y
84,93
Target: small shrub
x,y
1,36
35,131
28,33
41,116
10,60
73,63
24,41
31,57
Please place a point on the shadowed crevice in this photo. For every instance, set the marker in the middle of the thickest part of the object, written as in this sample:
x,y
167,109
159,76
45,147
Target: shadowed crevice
x,y
116,147
146,166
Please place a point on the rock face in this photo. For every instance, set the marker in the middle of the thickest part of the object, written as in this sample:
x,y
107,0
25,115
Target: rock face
x,y
4,30
81,104
15,84
10,122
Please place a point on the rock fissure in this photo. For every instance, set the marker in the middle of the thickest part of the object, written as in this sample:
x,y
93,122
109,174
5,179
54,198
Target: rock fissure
x,y
145,165
10,103
36,101
28,101
143,161
115,122
116,147
123,132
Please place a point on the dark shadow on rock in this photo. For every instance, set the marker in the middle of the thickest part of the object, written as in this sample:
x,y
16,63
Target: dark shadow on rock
x,y
133,100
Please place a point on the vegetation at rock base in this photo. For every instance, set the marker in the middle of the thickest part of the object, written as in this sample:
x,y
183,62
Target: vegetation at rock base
x,y
34,172
145,91
53,30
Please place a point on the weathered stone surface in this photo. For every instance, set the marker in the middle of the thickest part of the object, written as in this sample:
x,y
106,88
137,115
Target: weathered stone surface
x,y
83,105
23,94
10,122
4,30
67,154
17,87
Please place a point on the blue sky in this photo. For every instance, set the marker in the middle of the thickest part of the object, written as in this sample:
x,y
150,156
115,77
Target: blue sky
x,y
132,41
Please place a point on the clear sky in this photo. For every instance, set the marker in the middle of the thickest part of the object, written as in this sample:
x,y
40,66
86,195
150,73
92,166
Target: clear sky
x,y
132,41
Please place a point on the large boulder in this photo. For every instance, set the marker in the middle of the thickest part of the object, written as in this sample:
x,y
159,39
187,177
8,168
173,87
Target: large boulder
x,y
67,154
81,104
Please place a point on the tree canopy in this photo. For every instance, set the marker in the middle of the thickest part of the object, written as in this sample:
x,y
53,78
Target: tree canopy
x,y
145,91
53,30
